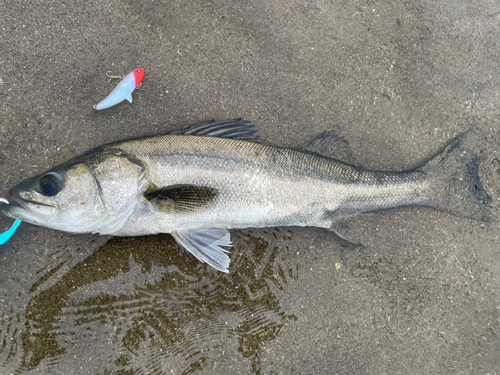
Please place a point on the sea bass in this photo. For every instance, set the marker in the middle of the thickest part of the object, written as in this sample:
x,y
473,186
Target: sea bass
x,y
199,182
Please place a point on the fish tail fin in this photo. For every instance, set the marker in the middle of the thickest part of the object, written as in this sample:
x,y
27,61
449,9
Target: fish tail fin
x,y
455,185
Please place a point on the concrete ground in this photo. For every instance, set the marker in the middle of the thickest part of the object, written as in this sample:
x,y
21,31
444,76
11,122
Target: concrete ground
x,y
389,82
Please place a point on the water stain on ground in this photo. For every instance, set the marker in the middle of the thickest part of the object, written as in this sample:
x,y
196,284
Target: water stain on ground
x,y
152,299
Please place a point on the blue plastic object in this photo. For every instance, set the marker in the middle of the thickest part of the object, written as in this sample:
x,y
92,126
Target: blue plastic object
x,y
5,236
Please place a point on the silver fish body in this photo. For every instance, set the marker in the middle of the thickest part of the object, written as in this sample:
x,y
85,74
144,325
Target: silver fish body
x,y
204,180
260,186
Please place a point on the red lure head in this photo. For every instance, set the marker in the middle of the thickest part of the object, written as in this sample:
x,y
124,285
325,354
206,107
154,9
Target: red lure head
x,y
138,75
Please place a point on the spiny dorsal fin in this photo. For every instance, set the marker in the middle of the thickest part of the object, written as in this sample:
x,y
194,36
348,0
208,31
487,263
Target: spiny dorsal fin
x,y
234,129
205,244
181,198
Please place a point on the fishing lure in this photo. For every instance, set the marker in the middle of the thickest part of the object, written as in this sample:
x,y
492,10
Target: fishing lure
x,y
123,91
5,236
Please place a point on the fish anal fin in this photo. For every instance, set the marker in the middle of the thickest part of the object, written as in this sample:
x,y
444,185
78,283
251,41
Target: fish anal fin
x,y
206,245
181,198
129,98
344,233
353,241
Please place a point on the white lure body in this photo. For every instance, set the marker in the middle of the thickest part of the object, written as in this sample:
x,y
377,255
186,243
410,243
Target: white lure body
x,y
123,91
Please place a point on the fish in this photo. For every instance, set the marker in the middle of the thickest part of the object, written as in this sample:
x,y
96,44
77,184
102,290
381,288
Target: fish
x,y
199,182
122,91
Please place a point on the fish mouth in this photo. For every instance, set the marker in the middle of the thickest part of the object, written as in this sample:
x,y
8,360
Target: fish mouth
x,y
24,209
12,210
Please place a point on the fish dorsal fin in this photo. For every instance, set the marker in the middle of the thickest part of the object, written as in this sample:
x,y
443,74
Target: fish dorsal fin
x,y
233,129
205,245
181,198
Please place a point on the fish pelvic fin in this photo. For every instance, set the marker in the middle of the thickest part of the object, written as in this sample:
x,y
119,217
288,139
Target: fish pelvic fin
x,y
206,246
455,185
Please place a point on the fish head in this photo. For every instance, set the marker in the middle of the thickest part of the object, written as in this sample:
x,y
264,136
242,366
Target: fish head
x,y
61,198
96,192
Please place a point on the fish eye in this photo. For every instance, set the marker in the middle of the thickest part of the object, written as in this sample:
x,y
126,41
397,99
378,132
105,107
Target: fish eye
x,y
138,71
50,184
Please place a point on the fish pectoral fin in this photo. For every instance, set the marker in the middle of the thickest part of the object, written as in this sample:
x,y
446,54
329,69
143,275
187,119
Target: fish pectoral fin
x,y
233,129
206,245
129,97
181,198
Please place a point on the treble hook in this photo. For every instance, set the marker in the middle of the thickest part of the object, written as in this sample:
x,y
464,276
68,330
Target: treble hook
x,y
113,77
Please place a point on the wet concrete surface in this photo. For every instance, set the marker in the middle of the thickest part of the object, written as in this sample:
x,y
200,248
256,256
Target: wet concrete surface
x,y
389,82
